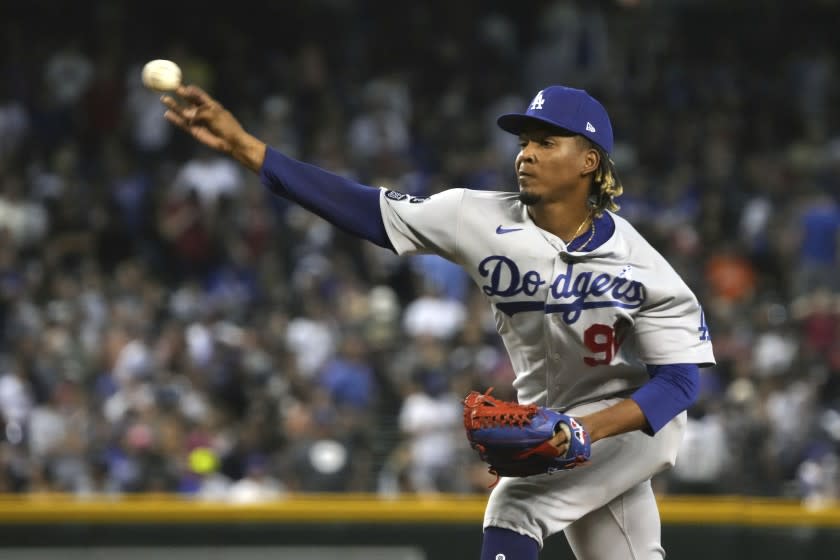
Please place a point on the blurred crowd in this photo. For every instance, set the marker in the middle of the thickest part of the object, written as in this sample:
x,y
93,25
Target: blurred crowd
x,y
167,325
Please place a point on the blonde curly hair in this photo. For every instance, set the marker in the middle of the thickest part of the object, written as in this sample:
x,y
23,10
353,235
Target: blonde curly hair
x,y
606,186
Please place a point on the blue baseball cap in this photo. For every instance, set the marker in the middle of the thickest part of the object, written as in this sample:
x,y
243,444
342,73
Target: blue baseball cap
x,y
568,108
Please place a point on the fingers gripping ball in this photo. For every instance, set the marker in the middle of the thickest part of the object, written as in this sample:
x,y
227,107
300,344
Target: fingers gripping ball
x,y
513,439
161,75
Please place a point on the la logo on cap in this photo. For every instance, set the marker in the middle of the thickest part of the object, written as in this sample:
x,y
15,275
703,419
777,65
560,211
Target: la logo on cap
x,y
537,103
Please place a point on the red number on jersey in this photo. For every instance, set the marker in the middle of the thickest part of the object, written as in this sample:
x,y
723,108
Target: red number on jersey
x,y
600,340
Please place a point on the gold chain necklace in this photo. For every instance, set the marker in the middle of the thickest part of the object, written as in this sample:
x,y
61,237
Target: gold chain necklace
x,y
577,231
585,243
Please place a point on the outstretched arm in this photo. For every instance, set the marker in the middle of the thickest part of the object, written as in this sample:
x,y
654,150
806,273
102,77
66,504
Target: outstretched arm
x,y
344,203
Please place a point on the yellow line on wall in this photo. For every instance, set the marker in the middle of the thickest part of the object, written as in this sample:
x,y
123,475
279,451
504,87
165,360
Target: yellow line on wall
x,y
362,508
746,511
297,509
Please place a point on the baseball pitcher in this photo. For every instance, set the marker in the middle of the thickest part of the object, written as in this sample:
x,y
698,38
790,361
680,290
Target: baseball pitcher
x,y
604,336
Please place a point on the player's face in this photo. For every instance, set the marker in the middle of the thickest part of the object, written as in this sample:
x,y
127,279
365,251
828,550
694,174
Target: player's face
x,y
550,164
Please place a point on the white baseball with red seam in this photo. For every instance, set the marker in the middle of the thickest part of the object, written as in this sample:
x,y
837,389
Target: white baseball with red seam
x,y
161,75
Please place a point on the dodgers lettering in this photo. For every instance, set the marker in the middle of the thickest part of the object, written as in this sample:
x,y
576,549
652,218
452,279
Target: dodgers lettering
x,y
572,293
505,280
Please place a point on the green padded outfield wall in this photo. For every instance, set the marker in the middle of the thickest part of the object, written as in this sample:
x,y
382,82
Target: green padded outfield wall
x,y
356,527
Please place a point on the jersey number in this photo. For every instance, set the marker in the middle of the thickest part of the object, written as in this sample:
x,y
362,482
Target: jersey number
x,y
601,341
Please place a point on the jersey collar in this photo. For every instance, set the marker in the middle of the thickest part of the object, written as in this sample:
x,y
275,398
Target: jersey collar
x,y
599,245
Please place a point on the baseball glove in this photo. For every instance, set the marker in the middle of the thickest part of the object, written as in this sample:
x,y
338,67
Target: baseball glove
x,y
513,439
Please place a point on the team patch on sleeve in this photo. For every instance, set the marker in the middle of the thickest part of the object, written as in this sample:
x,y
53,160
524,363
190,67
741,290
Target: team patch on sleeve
x,y
394,195
397,196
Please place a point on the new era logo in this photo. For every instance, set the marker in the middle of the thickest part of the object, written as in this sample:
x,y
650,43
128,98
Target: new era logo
x,y
589,127
537,103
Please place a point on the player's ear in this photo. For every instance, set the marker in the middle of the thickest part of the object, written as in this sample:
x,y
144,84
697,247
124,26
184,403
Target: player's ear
x,y
591,160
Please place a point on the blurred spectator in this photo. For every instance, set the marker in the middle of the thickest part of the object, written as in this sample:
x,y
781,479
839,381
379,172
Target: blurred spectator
x,y
24,222
188,232
257,485
321,456
16,398
731,276
704,455
381,128
311,337
202,478
448,279
149,135
348,378
818,316
14,126
572,47
430,419
775,347
68,73
434,314
211,177
819,238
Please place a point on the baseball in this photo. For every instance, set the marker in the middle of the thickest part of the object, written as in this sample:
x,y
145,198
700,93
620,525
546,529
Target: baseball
x,y
161,75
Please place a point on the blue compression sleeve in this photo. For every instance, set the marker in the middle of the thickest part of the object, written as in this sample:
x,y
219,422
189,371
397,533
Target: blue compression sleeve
x,y
671,389
344,203
504,543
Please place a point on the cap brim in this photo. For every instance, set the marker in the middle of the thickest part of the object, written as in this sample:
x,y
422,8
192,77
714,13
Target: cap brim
x,y
515,123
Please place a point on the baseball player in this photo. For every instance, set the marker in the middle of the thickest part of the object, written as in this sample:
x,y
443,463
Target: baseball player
x,y
601,331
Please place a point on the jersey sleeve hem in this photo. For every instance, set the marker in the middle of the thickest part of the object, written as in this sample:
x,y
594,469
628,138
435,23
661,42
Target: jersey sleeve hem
x,y
703,362
702,357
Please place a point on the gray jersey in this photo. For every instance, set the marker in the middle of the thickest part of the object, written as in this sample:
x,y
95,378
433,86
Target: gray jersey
x,y
578,327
